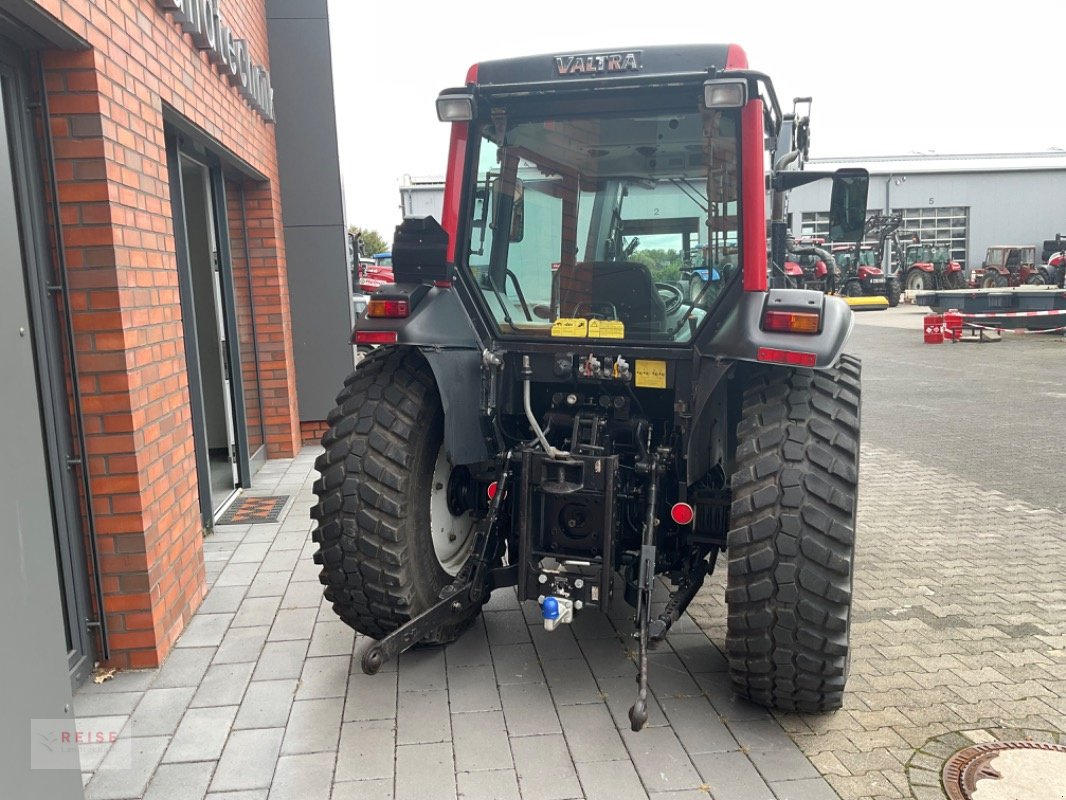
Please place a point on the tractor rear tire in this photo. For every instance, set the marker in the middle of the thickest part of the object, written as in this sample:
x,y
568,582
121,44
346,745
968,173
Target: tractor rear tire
x,y
379,564
993,280
792,538
919,281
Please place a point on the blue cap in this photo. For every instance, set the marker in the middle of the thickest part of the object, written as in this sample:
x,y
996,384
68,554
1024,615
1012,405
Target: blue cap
x,y
550,608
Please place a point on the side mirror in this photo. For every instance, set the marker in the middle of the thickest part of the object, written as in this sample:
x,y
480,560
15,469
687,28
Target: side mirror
x,y
513,206
847,208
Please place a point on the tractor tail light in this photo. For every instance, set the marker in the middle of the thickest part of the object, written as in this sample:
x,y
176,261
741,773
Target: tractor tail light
x,y
387,309
682,513
374,337
791,322
793,358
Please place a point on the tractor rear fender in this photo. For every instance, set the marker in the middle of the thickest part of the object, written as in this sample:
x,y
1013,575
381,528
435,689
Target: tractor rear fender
x,y
740,334
441,330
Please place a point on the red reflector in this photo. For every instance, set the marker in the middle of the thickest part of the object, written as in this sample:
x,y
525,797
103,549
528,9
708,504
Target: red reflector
x,y
790,322
791,357
374,337
443,284
491,490
682,513
389,309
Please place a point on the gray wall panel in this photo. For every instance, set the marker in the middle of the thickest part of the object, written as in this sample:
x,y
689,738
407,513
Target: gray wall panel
x,y
321,322
301,71
298,9
315,238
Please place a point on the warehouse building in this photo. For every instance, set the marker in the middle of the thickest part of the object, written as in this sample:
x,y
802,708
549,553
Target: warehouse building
x,y
963,203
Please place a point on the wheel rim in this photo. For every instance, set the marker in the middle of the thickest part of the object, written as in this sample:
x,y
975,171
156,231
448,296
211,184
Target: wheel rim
x,y
916,281
453,536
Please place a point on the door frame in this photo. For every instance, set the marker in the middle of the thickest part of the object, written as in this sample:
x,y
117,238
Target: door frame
x,y
179,146
61,456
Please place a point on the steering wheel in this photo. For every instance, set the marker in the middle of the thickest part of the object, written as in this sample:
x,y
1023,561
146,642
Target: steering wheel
x,y
671,296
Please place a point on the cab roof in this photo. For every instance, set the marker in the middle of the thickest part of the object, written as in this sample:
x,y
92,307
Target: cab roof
x,y
618,62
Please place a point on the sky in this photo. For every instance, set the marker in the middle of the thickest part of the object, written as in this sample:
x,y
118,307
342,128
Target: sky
x,y
889,78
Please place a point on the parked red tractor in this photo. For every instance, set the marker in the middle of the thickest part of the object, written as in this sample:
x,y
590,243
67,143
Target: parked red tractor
x,y
927,267
549,418
1053,270
862,273
1008,265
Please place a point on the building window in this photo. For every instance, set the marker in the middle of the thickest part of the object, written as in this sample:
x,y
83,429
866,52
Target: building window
x,y
937,227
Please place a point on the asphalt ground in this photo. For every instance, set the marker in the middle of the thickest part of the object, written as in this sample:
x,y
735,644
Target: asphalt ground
x,y
959,619
993,413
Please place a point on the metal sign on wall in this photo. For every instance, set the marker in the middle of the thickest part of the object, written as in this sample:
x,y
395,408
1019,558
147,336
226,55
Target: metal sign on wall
x,y
203,21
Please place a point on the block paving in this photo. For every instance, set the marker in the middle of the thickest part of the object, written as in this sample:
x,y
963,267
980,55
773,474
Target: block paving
x,y
959,634
959,625
263,699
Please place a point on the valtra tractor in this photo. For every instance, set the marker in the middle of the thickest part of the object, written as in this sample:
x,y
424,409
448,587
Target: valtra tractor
x,y
543,417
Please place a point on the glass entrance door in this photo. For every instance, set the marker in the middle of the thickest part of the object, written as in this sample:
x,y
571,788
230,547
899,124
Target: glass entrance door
x,y
39,509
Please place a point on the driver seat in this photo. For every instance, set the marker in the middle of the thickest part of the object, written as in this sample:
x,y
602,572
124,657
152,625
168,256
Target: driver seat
x,y
625,285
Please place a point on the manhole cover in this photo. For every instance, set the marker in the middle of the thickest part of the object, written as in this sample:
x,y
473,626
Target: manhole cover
x,y
1007,771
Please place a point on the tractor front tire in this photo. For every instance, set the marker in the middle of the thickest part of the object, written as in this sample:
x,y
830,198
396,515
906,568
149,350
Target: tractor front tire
x,y
379,563
792,538
892,292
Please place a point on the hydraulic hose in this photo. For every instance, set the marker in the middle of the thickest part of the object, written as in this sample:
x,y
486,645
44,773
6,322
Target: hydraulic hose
x,y
527,374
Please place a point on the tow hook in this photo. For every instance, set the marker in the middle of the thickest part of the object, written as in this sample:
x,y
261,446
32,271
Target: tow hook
x,y
556,611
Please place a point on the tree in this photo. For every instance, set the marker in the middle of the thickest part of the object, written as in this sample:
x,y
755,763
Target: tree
x,y
372,241
664,265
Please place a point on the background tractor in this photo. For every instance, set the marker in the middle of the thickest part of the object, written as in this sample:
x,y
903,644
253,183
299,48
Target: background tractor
x,y
862,273
547,414
926,267
1008,265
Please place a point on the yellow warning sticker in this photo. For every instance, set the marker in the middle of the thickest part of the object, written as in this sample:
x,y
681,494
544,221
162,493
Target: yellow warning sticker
x,y
650,374
607,329
570,328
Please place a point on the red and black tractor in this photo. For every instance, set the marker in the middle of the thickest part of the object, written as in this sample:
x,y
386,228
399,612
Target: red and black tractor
x,y
552,412
808,265
1009,265
926,267
861,264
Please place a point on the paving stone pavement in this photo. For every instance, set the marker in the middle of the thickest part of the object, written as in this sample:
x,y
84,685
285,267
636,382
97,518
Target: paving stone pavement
x,y
959,629
263,699
959,624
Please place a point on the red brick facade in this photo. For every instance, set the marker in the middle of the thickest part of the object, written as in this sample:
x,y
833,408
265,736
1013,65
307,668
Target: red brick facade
x,y
312,430
107,120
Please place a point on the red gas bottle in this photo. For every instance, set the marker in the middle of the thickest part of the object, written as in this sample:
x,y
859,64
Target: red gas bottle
x,y
934,328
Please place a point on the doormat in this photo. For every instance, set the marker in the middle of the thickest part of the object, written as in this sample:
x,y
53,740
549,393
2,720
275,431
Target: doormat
x,y
249,510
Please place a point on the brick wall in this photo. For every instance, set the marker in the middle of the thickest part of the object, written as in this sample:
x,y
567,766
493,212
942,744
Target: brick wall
x,y
107,105
312,430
